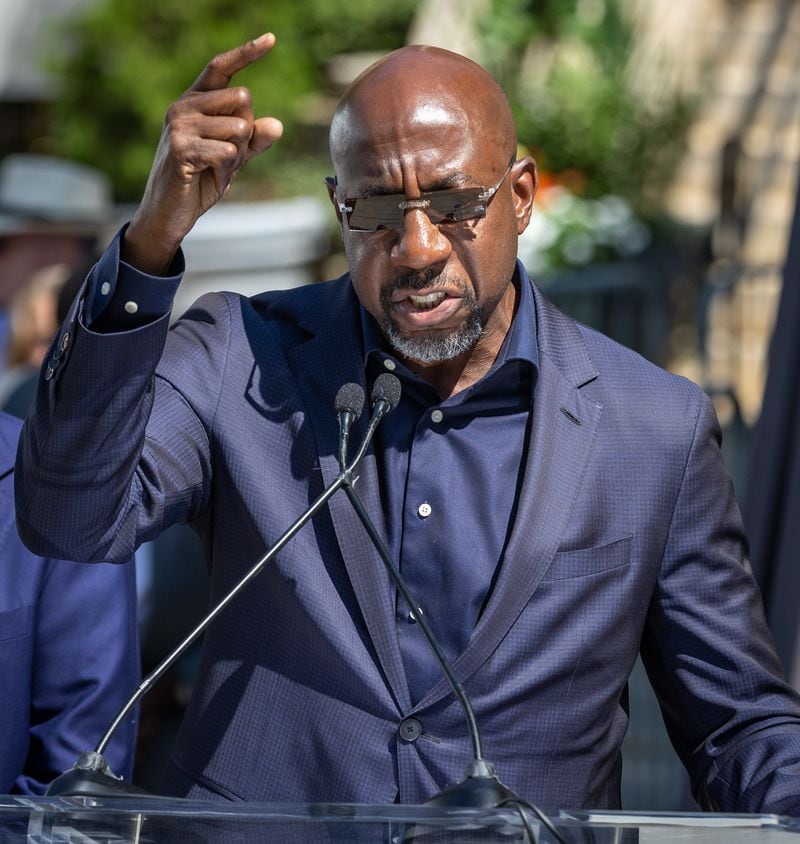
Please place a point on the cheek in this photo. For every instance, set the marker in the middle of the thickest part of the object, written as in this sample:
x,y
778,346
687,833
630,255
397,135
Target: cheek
x,y
498,248
490,262
361,251
365,276
368,261
489,256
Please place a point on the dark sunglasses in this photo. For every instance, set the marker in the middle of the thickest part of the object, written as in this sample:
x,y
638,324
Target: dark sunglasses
x,y
385,211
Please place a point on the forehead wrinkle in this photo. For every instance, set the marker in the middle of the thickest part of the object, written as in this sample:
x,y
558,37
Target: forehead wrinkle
x,y
458,179
383,156
373,167
396,125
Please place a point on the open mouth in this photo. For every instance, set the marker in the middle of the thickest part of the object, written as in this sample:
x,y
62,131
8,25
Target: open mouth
x,y
436,309
428,300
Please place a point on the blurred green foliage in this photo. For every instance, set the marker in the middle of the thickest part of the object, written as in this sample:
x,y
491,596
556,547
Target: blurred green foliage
x,y
564,65
128,59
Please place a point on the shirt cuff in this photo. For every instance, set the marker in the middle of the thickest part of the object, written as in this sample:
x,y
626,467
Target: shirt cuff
x,y
120,298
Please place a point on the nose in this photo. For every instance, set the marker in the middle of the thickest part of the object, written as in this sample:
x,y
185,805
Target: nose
x,y
420,243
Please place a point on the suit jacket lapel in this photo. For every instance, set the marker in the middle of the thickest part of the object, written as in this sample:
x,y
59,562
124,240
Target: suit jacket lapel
x,y
558,450
321,366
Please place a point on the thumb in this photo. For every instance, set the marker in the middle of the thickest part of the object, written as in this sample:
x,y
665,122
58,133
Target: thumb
x,y
266,130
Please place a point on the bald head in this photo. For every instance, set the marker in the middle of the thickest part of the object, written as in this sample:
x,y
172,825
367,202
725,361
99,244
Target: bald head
x,y
420,86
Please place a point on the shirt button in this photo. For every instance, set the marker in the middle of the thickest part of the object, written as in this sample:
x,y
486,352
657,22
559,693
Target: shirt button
x,y
131,307
389,364
410,729
49,373
424,509
437,416
65,342
105,288
411,618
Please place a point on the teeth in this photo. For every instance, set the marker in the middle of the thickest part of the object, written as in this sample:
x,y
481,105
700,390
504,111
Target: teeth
x,y
429,300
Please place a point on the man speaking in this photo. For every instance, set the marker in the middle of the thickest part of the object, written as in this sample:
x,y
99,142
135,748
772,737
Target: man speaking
x,y
556,503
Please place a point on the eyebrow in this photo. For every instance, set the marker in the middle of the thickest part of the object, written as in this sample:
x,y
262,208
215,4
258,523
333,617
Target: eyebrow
x,y
458,179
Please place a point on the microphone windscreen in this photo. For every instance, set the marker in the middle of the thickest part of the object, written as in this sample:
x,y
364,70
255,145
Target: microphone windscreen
x,y
350,398
386,387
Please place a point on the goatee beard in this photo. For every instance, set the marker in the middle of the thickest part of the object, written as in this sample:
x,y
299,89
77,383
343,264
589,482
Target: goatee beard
x,y
435,347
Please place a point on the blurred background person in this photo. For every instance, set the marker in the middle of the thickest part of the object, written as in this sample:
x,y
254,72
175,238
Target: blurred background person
x,y
33,320
69,650
69,655
51,213
33,317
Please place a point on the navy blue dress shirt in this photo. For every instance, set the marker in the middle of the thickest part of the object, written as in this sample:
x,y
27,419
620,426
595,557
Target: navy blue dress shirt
x,y
450,474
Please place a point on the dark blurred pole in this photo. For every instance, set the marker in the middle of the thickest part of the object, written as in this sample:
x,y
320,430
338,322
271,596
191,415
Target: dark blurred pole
x,y
772,493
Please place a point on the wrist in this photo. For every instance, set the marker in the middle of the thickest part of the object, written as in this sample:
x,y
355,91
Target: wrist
x,y
147,251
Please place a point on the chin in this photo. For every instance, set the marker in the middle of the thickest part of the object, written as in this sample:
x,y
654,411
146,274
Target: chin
x,y
435,348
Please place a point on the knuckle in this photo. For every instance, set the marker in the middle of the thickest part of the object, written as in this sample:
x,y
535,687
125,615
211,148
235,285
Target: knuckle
x,y
229,152
174,112
178,142
218,63
241,128
242,96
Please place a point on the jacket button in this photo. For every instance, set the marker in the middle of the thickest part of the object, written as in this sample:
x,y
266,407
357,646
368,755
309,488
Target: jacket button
x,y
410,729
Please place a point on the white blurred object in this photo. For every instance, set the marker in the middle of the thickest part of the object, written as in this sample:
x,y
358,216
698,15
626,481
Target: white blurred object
x,y
673,41
39,191
250,247
23,23
452,26
569,231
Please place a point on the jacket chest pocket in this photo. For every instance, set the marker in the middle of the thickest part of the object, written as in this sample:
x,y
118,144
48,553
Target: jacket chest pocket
x,y
16,623
589,561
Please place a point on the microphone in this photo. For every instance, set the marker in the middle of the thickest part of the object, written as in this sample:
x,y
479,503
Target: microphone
x,y
385,394
385,397
349,405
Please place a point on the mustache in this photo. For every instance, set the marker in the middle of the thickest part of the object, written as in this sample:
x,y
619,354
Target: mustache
x,y
420,279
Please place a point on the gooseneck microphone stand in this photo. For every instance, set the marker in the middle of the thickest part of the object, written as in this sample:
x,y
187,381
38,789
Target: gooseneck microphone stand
x,y
480,787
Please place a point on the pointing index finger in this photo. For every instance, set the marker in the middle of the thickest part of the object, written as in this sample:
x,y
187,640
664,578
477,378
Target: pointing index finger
x,y
222,68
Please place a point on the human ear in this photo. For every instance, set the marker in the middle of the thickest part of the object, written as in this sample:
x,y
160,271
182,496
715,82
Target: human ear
x,y
524,180
330,183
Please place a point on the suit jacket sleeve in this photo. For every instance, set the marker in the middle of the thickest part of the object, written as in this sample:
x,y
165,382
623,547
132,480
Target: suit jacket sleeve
x,y
708,652
95,477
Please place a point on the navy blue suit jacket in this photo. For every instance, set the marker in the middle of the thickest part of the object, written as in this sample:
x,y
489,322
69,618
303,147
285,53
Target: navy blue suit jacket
x,y
627,536
69,655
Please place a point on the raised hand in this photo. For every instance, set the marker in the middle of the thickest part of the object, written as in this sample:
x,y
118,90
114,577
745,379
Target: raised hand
x,y
209,134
